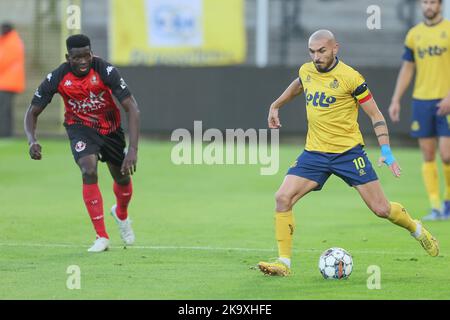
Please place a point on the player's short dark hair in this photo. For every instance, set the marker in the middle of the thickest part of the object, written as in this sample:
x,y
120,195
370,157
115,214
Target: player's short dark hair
x,y
77,41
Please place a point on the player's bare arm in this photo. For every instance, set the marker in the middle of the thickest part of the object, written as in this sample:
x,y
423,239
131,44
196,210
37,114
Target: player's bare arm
x,y
294,89
403,80
132,109
381,130
30,123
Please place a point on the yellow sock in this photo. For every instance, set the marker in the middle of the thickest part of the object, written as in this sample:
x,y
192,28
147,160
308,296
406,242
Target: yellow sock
x,y
430,177
400,217
446,168
284,229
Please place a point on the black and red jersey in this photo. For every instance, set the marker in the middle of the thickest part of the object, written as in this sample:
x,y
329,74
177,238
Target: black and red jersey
x,y
88,100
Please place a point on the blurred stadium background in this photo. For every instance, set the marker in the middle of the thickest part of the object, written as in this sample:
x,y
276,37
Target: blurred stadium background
x,y
265,55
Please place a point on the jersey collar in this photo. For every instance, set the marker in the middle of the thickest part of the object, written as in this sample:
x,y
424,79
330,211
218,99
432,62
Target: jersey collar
x,y
433,24
328,70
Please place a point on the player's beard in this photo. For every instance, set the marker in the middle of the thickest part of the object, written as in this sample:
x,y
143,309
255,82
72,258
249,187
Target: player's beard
x,y
430,14
325,65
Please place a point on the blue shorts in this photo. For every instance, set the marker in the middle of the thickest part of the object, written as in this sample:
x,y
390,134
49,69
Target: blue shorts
x,y
425,122
352,166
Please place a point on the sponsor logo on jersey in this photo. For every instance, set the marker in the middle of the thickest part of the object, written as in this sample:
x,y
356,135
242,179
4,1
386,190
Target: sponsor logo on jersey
x,y
430,51
68,83
319,99
92,103
80,146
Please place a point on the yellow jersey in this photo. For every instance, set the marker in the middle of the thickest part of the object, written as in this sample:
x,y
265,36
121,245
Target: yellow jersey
x,y
332,99
429,48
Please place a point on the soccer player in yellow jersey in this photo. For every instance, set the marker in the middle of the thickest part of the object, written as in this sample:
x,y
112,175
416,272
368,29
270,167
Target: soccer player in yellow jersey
x,y
427,49
334,145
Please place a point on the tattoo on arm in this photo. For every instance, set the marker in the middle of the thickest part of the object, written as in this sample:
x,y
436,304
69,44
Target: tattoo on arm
x,y
379,124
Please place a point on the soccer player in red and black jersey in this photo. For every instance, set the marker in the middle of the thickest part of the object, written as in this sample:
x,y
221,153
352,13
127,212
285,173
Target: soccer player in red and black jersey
x,y
92,121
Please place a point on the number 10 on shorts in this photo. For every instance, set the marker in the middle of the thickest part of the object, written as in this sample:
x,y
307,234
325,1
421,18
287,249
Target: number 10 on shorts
x,y
359,163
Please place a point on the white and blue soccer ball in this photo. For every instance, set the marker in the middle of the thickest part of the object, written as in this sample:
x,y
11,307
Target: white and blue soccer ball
x,y
335,263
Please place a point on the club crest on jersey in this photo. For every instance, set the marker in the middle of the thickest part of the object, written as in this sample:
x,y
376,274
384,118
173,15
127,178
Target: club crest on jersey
x,y
319,99
308,78
94,80
334,84
80,146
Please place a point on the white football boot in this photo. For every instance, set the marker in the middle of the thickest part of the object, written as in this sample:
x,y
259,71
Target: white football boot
x,y
101,244
126,232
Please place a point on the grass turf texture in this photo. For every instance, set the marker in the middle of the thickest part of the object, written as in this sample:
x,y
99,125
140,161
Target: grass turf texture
x,y
202,229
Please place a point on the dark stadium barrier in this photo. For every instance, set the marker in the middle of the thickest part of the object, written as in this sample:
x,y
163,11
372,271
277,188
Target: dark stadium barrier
x,y
238,97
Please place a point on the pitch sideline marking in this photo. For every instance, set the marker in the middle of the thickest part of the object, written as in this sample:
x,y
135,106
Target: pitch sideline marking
x,y
199,248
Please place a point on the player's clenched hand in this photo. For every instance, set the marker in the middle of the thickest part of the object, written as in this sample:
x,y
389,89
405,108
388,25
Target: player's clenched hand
x,y
35,151
394,111
129,163
273,119
444,106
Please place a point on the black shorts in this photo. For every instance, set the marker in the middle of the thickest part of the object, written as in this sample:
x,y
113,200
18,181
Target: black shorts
x,y
86,141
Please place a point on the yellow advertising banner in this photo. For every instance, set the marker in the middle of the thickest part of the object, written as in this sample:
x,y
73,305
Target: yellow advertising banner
x,y
177,32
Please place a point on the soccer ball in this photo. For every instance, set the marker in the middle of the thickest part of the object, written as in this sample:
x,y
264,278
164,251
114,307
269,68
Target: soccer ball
x,y
335,263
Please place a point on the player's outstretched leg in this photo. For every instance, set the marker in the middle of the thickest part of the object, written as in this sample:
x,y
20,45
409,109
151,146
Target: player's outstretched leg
x,y
123,190
399,216
375,199
94,202
292,189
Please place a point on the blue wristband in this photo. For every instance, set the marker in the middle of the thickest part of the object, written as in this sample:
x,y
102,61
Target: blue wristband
x,y
387,154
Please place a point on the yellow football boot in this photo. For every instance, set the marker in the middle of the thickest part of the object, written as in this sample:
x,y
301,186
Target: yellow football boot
x,y
276,268
428,242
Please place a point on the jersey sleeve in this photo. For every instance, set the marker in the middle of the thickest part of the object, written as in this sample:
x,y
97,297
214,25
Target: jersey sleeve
x,y
112,78
301,74
360,89
408,54
46,90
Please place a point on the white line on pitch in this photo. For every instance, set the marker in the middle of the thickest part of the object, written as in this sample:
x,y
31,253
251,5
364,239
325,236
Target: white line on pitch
x,y
60,245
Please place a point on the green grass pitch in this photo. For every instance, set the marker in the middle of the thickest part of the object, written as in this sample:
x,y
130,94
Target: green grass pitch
x,y
202,229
